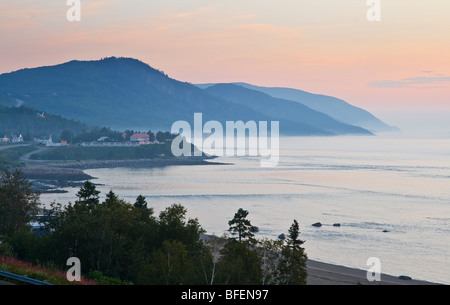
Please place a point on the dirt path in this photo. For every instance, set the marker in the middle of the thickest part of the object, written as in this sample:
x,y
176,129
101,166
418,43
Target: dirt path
x,y
26,158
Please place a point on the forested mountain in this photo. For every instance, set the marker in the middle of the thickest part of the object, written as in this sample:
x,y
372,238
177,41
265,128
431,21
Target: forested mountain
x,y
125,93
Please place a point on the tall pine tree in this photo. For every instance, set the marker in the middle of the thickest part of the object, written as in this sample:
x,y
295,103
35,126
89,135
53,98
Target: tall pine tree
x,y
88,194
293,264
241,225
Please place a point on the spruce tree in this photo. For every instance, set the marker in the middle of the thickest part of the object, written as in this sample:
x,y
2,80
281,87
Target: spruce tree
x,y
293,263
140,202
241,225
88,194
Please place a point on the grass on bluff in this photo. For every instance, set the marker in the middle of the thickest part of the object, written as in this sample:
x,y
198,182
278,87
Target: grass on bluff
x,y
103,153
11,156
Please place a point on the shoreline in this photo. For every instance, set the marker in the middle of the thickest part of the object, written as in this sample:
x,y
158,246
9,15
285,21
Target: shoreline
x,y
326,274
320,273
51,177
141,163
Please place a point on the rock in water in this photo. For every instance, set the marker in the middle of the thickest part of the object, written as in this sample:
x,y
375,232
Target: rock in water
x,y
255,229
405,277
317,224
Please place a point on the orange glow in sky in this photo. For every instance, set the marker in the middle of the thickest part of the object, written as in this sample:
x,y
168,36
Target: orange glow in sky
x,y
320,46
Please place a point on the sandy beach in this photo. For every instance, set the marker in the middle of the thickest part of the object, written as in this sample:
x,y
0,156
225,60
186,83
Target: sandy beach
x,y
328,274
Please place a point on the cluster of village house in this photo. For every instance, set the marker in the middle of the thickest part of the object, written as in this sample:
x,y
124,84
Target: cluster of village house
x,y
12,139
135,140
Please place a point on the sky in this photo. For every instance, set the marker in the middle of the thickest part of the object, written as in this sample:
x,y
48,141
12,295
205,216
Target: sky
x,y
397,67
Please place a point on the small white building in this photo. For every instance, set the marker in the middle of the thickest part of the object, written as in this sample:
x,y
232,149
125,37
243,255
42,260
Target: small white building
x,y
50,142
18,139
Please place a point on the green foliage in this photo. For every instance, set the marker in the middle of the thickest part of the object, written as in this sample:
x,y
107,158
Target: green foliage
x,y
25,121
6,249
18,203
140,203
97,133
293,263
239,265
170,264
10,157
122,243
88,194
294,233
263,262
164,136
173,225
102,279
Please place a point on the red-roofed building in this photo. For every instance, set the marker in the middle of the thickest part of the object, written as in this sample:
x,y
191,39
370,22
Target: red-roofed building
x,y
141,138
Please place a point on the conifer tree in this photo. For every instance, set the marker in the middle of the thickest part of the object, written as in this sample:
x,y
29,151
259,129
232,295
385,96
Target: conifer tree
x,y
140,202
241,225
88,194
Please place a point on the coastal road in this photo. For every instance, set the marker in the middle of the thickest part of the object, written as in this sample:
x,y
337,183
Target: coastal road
x,y
26,158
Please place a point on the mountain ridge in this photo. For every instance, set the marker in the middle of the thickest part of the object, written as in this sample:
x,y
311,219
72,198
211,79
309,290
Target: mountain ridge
x,y
285,109
126,93
332,106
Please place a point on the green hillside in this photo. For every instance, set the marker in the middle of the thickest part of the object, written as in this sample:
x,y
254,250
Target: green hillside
x,y
30,123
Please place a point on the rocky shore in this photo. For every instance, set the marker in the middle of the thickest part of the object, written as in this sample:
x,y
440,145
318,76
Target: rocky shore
x,y
50,179
141,163
54,173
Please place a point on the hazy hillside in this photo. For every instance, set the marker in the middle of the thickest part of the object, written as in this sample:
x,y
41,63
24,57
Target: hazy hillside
x,y
334,107
285,110
125,93
30,123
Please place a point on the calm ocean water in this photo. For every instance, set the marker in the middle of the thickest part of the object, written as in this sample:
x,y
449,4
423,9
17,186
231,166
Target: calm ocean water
x,y
366,184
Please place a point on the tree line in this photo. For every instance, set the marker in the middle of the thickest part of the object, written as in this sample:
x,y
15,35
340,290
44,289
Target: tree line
x,y
128,242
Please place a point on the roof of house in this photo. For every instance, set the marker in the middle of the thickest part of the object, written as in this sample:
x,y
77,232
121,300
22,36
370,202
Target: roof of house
x,y
140,135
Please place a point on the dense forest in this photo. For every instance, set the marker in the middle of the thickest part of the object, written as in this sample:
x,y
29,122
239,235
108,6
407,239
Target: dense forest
x,y
127,242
